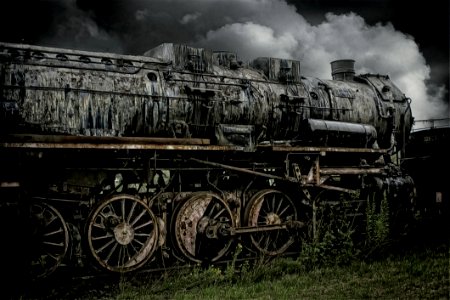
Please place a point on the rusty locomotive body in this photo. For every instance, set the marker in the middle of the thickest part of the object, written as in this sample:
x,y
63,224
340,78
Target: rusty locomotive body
x,y
174,156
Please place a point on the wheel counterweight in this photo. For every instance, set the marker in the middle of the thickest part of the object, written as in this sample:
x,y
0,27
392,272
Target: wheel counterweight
x,y
201,227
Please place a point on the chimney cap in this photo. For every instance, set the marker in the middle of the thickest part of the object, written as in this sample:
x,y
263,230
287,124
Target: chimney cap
x,y
343,69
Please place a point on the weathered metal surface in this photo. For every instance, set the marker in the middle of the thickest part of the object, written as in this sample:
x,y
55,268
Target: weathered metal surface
x,y
350,171
200,226
340,133
122,233
275,69
242,170
184,92
343,69
242,135
101,140
114,146
203,110
184,57
322,150
336,188
270,207
393,107
264,228
53,237
9,184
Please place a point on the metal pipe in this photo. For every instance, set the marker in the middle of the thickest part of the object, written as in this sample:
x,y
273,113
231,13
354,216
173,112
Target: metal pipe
x,y
350,171
242,170
336,188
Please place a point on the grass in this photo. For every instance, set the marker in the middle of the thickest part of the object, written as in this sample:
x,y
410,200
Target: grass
x,y
414,276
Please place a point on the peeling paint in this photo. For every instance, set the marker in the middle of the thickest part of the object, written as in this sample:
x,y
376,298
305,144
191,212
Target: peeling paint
x,y
184,92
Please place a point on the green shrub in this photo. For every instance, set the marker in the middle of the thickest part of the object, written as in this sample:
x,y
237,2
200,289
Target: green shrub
x,y
333,243
377,223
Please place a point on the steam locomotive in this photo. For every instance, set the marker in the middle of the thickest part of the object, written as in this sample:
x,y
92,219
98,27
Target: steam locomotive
x,y
132,162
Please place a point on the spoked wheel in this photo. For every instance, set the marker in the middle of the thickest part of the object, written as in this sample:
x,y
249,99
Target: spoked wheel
x,y
201,226
270,207
122,233
51,238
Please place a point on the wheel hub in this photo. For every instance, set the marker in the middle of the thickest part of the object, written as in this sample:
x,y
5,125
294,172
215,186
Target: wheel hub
x,y
273,219
124,233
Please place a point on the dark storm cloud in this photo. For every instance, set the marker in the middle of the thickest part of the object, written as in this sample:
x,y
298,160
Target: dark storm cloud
x,y
75,28
252,28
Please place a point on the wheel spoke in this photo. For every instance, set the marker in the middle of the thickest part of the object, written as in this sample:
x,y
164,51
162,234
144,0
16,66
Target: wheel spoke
x,y
138,217
279,206
55,258
283,211
53,244
111,208
143,225
267,204
219,213
119,259
108,235
127,253
211,211
53,232
105,246
131,212
101,226
54,218
132,246
111,252
267,241
261,238
139,242
274,243
123,209
142,234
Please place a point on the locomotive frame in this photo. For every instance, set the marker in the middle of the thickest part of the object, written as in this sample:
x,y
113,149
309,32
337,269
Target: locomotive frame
x,y
126,193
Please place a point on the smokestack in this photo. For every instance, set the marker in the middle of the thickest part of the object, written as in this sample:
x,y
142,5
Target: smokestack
x,y
343,69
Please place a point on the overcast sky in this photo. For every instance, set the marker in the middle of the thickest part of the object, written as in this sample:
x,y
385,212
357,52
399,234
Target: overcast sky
x,y
409,43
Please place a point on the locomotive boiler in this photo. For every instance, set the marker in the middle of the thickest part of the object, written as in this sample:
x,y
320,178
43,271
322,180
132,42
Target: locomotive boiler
x,y
181,153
